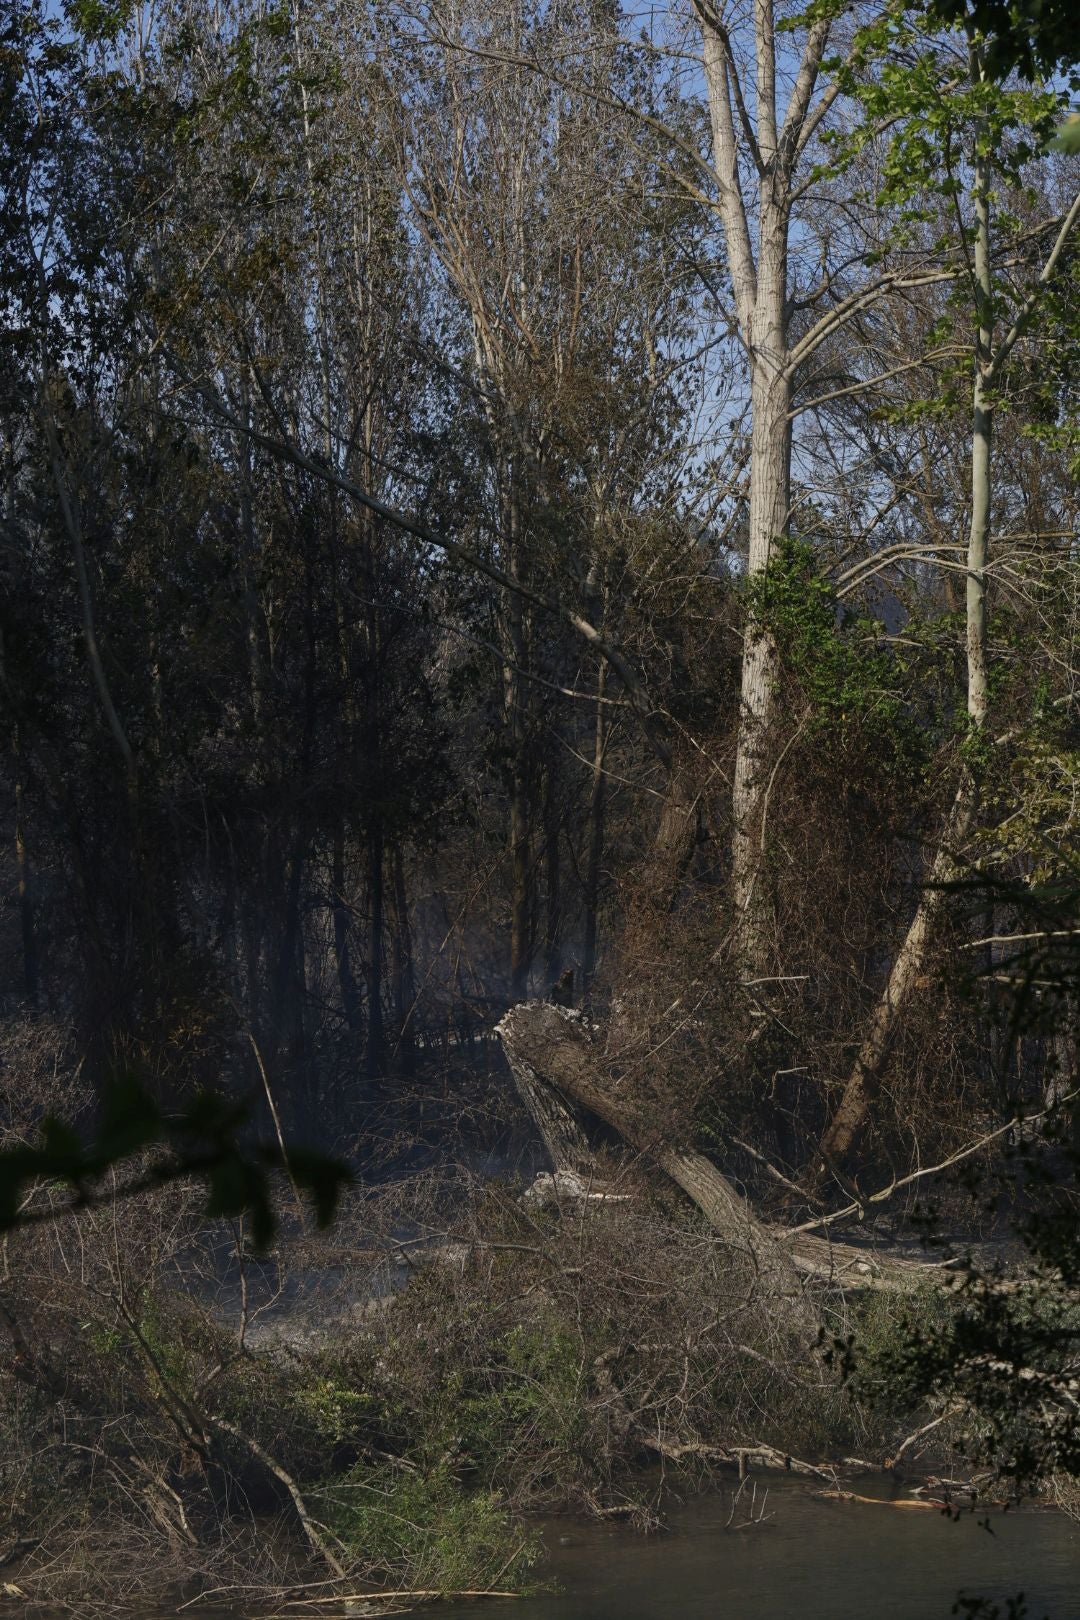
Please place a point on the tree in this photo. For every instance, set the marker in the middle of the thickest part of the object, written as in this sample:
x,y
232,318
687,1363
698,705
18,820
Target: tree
x,y
994,120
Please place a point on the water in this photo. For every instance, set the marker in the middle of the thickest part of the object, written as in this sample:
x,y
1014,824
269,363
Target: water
x,y
813,1560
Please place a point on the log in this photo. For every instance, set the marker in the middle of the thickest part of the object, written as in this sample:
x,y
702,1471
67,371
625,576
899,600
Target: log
x,y
558,1187
556,1065
852,1268
556,1119
883,1501
551,1053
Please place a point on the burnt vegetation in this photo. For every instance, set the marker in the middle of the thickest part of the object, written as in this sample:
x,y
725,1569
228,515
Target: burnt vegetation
x,y
539,777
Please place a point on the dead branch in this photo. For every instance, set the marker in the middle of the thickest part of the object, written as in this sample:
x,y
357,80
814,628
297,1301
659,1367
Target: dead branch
x,y
310,1527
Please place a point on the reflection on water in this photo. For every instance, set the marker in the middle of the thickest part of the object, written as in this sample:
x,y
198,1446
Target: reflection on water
x,y
813,1560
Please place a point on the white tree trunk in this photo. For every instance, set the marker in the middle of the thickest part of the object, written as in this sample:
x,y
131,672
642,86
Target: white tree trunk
x,y
760,295
770,485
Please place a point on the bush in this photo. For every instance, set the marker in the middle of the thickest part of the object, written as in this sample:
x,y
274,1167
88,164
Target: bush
x,y
424,1531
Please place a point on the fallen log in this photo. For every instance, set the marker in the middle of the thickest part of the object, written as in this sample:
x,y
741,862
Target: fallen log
x,y
850,1266
551,1051
743,1458
882,1501
405,1594
556,1187
556,1065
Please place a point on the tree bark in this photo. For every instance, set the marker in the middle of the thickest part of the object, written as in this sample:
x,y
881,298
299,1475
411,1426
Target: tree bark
x,y
552,876
761,305
375,1049
770,479
595,857
350,995
514,700
404,979
981,437
555,1117
22,869
846,1125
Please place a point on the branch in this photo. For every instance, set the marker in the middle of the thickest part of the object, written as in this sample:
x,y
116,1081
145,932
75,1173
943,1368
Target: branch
x,y
1046,275
863,570
791,142
73,525
709,17
896,280
311,1529
603,98
765,61
716,59
872,382
882,1197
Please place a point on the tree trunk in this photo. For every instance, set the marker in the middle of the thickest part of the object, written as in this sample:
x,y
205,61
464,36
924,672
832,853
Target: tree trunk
x,y
248,574
595,857
404,980
514,700
846,1125
26,902
552,876
286,1010
375,1051
770,495
981,478
759,291
350,995
252,932
555,1117
676,832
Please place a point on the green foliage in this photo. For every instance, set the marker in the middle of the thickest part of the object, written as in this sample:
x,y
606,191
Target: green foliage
x,y
1036,818
882,1324
1067,138
535,1400
332,1408
852,686
1032,37
206,1138
100,20
870,1351
1007,1349
423,1529
320,1407
937,120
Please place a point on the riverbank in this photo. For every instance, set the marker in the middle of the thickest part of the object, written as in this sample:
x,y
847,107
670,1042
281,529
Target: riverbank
x,y
392,1405
776,1549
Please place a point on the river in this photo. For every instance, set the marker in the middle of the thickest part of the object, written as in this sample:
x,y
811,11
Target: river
x,y
813,1559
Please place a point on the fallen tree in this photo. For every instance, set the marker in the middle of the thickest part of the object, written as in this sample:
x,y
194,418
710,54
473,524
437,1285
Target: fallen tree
x,y
554,1061
558,1068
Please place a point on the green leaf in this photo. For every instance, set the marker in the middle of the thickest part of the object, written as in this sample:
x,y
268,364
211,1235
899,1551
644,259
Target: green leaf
x,y
1067,138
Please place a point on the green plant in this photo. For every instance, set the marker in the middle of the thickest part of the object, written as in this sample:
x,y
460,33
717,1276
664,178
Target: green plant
x,y
424,1530
853,688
